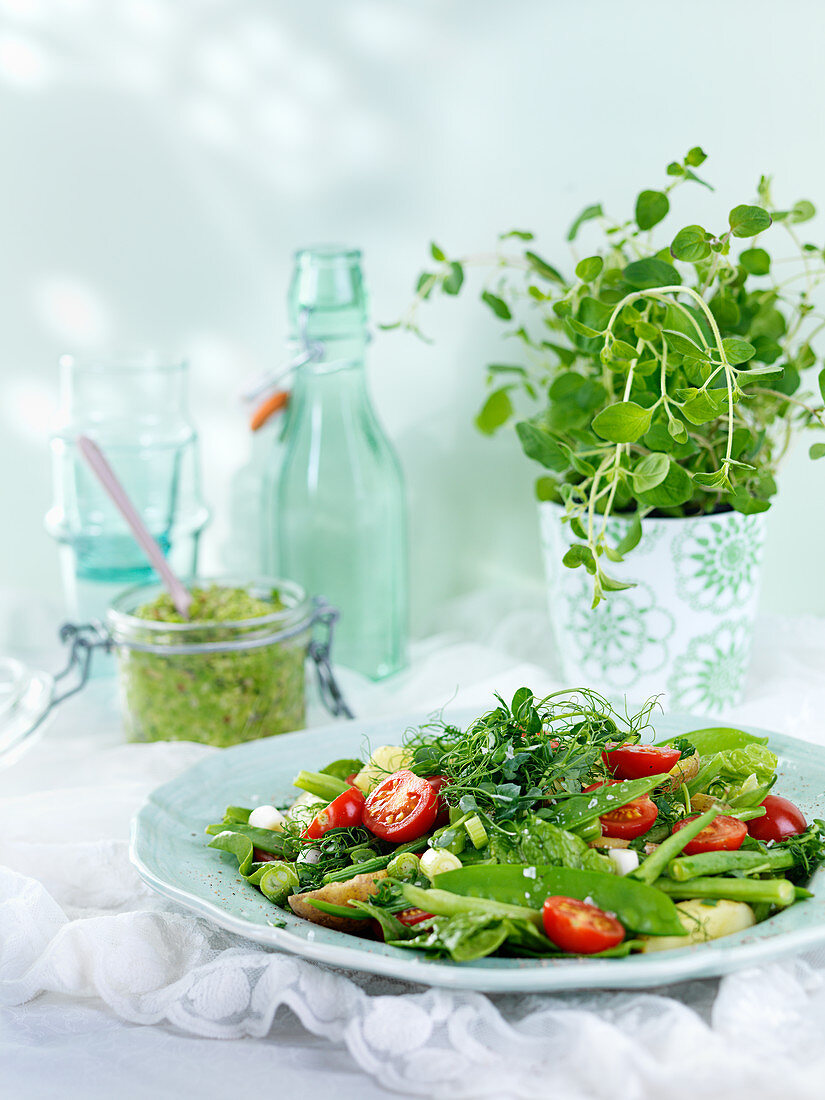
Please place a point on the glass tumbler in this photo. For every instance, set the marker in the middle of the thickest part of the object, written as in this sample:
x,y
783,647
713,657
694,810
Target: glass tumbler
x,y
136,410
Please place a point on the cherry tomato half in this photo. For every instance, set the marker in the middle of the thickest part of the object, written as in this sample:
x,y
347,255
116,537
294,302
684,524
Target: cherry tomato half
x,y
412,916
724,834
638,761
442,816
781,820
342,813
631,820
628,821
579,927
401,808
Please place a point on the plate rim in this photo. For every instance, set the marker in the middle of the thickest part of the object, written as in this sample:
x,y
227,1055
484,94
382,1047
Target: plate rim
x,y
552,975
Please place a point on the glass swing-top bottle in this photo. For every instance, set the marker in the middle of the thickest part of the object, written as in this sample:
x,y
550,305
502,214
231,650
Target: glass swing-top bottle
x,y
338,504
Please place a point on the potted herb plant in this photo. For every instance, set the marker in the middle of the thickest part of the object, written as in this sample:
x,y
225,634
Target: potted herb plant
x,y
658,387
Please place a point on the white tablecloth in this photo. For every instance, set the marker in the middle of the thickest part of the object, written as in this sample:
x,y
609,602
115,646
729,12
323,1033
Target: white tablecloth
x,y
107,990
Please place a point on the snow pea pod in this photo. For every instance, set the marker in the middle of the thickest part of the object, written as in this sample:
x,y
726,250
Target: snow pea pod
x,y
266,840
581,808
237,815
719,739
639,907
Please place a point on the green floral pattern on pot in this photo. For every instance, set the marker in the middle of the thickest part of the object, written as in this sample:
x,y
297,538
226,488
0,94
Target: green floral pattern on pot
x,y
684,630
717,562
624,639
713,668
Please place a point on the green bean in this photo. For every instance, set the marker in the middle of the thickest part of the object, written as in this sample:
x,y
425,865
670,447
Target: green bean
x,y
337,910
650,869
320,784
775,891
445,904
720,863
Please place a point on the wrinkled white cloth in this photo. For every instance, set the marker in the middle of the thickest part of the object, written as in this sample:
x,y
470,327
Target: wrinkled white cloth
x,y
107,989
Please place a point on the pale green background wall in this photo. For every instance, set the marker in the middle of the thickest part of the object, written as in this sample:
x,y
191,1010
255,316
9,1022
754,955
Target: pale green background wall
x,y
161,159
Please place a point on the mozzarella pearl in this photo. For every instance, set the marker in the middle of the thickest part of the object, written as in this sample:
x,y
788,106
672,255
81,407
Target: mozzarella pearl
x,y
625,860
267,817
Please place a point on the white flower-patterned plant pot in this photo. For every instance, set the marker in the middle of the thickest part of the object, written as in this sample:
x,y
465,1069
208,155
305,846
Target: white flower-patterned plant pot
x,y
685,630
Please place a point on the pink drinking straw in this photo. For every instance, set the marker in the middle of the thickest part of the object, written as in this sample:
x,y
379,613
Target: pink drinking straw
x,y
181,597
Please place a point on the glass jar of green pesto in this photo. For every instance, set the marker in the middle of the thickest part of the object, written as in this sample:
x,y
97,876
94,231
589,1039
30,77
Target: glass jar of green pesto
x,y
232,672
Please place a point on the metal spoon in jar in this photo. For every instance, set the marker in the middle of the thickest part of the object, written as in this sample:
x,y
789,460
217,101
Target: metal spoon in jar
x,y
97,462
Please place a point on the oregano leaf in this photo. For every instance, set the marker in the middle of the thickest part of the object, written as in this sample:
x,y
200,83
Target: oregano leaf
x,y
589,269
497,305
650,471
589,212
755,261
690,244
651,272
543,268
651,208
623,422
737,350
454,279
747,221
496,410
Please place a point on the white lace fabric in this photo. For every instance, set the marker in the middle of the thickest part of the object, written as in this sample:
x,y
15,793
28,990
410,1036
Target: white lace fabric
x,y
87,951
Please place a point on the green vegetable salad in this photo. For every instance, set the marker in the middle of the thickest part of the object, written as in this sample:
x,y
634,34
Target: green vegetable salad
x,y
547,827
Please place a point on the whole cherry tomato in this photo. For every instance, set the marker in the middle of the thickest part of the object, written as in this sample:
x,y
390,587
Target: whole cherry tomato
x,y
438,782
782,819
342,813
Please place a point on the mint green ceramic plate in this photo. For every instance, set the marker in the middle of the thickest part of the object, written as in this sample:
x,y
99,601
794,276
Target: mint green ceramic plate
x,y
169,851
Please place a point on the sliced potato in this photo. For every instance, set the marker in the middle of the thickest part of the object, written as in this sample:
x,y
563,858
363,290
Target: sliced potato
x,y
359,888
683,771
702,802
704,921
384,761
